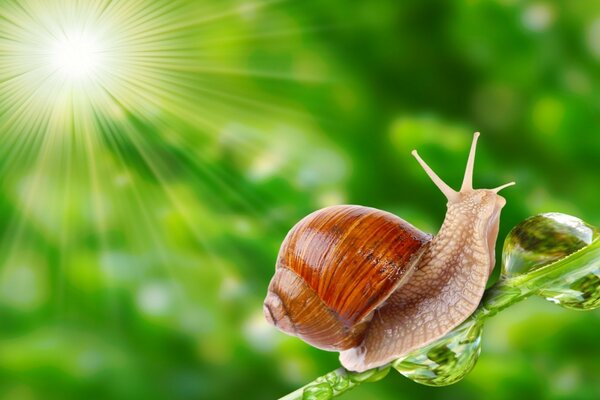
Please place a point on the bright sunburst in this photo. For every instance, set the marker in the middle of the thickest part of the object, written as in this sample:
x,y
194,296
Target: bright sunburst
x,y
99,54
116,116
77,55
138,143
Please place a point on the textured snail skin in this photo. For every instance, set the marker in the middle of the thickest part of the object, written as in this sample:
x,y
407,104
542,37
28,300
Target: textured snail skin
x,y
444,289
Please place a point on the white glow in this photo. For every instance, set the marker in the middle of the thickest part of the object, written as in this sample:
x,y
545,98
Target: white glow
x,y
76,56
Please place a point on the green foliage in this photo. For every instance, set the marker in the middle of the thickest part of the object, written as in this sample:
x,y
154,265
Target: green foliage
x,y
141,218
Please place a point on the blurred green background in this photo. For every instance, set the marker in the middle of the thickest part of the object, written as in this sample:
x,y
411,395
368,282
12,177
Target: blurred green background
x,y
143,200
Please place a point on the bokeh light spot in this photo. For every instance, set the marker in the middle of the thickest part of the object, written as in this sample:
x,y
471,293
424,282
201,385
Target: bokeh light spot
x,y
547,115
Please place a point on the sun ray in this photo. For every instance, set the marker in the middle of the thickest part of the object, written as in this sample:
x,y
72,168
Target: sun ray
x,y
112,114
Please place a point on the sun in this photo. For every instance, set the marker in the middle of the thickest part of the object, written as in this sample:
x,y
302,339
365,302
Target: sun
x,y
76,56
64,65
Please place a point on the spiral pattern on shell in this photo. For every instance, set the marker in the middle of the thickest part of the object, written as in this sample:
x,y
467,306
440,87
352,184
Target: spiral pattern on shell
x,y
335,267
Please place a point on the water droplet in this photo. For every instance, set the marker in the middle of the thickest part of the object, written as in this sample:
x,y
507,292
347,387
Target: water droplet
x,y
339,381
320,391
330,385
447,360
372,375
580,293
543,239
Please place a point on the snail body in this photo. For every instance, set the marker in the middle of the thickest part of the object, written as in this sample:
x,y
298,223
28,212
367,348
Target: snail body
x,y
368,284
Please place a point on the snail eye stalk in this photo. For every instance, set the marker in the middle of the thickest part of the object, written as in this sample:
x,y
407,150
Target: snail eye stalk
x,y
450,193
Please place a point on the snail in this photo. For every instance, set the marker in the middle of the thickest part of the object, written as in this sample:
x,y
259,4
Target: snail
x,y
368,284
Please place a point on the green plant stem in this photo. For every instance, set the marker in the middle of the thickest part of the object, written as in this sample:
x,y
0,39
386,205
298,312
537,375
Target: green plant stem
x,y
506,292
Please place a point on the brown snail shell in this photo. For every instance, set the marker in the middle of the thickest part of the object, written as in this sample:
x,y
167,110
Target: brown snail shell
x,y
334,268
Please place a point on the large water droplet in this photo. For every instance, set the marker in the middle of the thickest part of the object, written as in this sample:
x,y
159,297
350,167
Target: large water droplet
x,y
446,361
578,293
543,239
